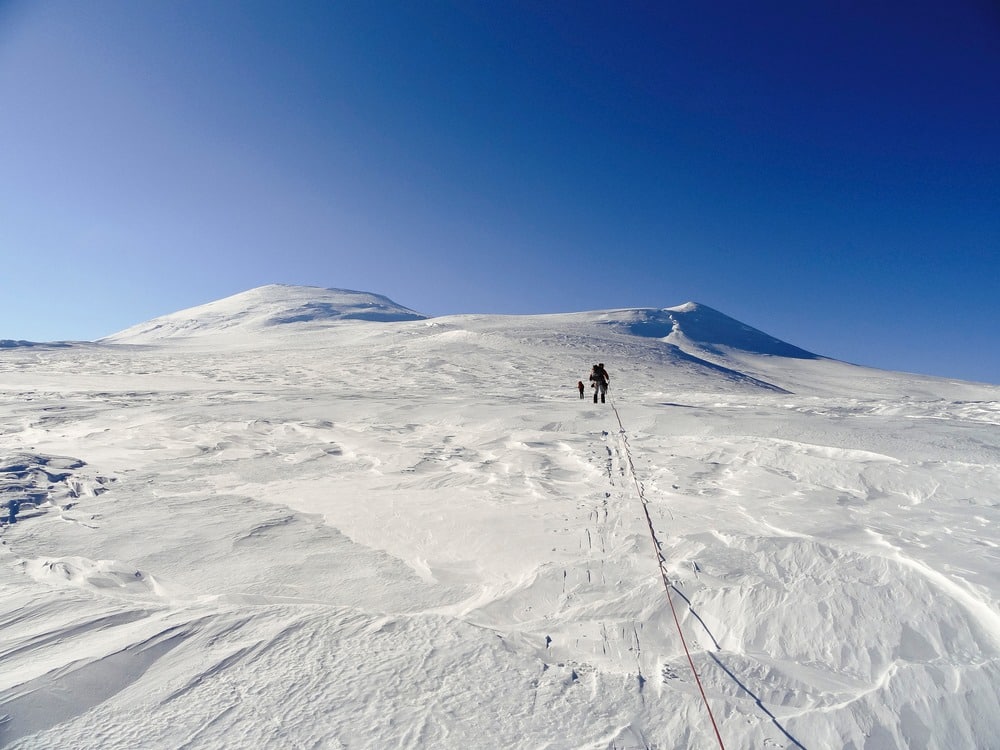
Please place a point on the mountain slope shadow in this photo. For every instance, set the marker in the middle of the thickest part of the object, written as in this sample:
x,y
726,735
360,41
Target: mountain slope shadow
x,y
381,313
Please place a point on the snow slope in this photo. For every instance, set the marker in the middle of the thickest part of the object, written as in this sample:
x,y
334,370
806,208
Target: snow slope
x,y
353,534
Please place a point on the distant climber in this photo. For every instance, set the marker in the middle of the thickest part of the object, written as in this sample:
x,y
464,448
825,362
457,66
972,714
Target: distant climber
x,y
13,507
579,384
599,378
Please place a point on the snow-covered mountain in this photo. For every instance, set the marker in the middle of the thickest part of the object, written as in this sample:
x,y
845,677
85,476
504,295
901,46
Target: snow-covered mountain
x,y
266,307
295,528
702,326
692,336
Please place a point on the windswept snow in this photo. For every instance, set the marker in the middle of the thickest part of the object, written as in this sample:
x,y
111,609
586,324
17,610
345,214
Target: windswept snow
x,y
354,534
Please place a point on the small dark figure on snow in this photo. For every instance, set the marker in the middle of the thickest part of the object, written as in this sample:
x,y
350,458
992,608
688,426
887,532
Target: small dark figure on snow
x,y
579,384
600,379
12,508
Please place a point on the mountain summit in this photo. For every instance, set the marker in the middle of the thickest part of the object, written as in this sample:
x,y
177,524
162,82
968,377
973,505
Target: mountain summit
x,y
709,329
266,307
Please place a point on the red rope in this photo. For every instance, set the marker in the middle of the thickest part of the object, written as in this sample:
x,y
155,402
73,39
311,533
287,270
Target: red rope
x,y
664,576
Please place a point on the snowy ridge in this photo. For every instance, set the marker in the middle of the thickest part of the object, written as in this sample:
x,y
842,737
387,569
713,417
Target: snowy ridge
x,y
416,534
22,344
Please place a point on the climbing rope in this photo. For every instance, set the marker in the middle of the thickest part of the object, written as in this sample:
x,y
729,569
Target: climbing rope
x,y
662,565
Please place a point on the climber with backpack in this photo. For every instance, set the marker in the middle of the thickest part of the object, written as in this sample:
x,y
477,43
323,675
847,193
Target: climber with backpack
x,y
599,379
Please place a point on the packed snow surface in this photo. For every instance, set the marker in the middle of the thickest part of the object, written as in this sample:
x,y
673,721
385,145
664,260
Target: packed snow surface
x,y
303,518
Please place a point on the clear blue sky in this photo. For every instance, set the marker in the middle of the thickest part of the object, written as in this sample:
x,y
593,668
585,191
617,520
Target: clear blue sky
x,y
828,172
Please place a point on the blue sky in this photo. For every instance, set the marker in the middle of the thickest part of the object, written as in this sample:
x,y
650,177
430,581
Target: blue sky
x,y
827,172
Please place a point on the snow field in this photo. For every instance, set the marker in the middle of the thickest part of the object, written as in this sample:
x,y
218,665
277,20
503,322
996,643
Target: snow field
x,y
416,535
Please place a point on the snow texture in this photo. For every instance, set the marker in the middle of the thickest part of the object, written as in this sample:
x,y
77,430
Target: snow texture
x,y
311,518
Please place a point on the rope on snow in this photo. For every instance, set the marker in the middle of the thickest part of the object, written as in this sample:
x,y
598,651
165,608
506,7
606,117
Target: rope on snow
x,y
661,563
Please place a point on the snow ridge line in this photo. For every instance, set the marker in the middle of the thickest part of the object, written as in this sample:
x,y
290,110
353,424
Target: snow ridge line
x,y
661,563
